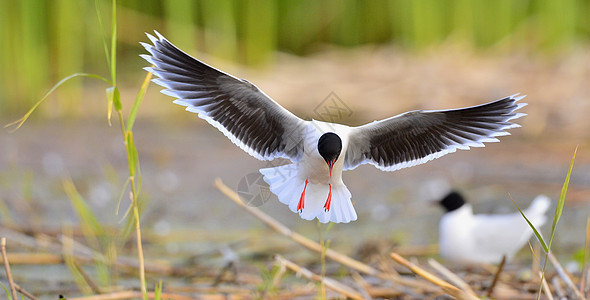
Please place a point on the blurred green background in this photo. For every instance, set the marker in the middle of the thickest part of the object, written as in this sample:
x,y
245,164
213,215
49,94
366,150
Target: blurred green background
x,y
46,40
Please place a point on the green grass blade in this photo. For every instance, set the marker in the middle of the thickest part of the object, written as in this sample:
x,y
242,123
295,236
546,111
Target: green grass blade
x,y
126,214
134,170
158,291
70,262
18,123
129,226
138,100
121,196
117,99
6,290
585,254
113,99
556,217
92,229
104,41
561,202
110,95
537,234
88,220
132,153
113,65
558,209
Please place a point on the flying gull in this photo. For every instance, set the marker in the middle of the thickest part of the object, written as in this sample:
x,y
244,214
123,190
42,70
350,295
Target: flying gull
x,y
319,151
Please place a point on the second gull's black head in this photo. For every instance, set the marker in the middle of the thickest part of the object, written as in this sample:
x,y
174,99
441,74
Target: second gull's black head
x,y
329,147
452,201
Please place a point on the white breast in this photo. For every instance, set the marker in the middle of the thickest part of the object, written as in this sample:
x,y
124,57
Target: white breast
x,y
312,165
455,234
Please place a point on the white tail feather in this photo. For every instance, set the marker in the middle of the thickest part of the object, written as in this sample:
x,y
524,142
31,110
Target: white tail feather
x,y
287,185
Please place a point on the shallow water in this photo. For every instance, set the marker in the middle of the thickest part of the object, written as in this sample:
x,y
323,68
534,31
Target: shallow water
x,y
180,161
189,216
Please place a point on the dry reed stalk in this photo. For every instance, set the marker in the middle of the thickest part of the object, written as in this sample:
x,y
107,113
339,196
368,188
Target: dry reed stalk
x,y
132,295
88,254
220,297
204,290
328,282
386,293
307,291
7,268
545,286
419,250
387,266
452,277
50,231
558,290
496,276
413,283
535,263
83,253
276,280
24,292
68,256
95,288
364,285
564,276
447,287
314,246
28,241
139,244
274,224
34,259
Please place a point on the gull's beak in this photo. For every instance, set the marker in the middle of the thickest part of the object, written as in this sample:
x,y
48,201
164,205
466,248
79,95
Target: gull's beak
x,y
331,165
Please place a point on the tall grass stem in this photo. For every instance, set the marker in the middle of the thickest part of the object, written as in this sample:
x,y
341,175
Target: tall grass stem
x,y
7,268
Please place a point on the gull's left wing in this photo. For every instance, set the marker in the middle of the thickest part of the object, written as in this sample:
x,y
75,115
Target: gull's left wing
x,y
246,115
419,136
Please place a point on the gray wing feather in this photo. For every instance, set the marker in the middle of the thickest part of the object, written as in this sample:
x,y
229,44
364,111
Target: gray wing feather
x,y
419,136
247,116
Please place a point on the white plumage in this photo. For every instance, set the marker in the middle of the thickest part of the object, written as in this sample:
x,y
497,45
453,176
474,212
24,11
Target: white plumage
x,y
313,168
486,238
319,151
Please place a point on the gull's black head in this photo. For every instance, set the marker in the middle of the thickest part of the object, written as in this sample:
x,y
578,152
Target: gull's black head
x,y
329,147
452,201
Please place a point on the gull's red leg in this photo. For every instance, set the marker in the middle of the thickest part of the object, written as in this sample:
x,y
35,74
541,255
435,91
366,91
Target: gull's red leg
x,y
329,200
302,199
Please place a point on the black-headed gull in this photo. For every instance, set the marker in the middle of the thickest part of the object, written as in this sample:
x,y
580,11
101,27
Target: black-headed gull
x,y
319,151
485,238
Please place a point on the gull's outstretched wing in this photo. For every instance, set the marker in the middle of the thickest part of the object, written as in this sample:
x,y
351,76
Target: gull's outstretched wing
x,y
245,114
419,136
